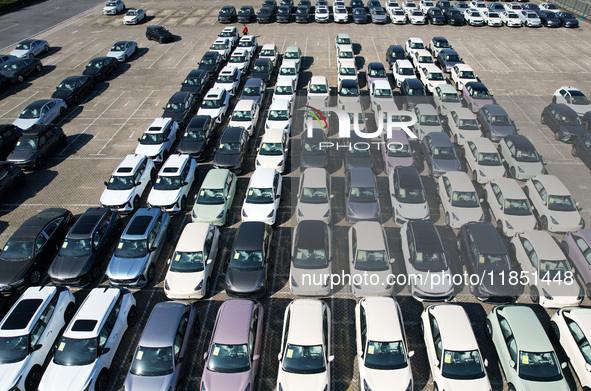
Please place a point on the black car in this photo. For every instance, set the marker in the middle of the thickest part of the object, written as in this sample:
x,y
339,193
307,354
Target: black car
x,y
246,274
413,93
196,83
307,3
180,107
484,254
80,256
357,157
197,138
360,15
271,4
159,34
262,69
453,17
395,52
435,16
9,135
72,89
312,154
35,145
17,70
567,19
549,19
227,14
12,178
563,121
443,5
283,14
31,248
582,149
231,149
246,14
265,14
531,7
212,63
100,67
302,14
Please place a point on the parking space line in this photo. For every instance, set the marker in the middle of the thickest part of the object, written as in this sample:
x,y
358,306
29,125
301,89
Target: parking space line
x,y
376,49
518,56
159,57
473,57
17,106
188,51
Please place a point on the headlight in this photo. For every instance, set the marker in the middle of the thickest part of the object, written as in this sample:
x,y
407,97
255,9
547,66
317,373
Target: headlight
x,y
280,163
553,220
520,169
260,284
508,225
453,215
247,388
547,295
219,216
409,388
258,162
271,214
300,213
328,213
228,282
199,286
203,386
481,218
481,173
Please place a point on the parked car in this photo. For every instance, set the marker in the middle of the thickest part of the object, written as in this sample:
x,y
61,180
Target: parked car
x,y
459,199
529,18
273,150
509,207
394,53
266,15
262,69
227,14
254,89
41,112
435,16
215,104
231,149
223,46
312,154
156,142
180,108
567,19
461,74
403,70
35,145
476,95
113,7
483,161
361,195
511,19
122,50
100,67
463,125
447,59
582,148
446,99
431,76
302,14
407,195
359,15
18,69
173,184
9,136
413,93
212,63
549,19
134,16
30,48
495,123
453,17
437,44
311,259
427,121
72,89
575,245
263,196
12,178
439,154
492,18
520,157
246,14
563,121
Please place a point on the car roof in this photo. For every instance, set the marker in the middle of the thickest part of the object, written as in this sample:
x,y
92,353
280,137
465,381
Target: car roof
x,y
343,35
289,64
158,125
318,80
413,82
439,39
510,188
32,226
178,97
228,69
408,177
463,112
261,60
376,65
396,48
214,93
305,315
232,134
279,104
552,184
527,330
426,109
440,139
399,136
425,235
582,316
459,180
348,83
483,144
269,46
192,237
292,49
544,244
232,325
198,121
161,327
314,177
39,103
563,110
520,142
404,64
174,162
370,235
244,104
486,238
92,313
448,51
129,165
140,223
239,51
262,177
348,63
250,236
495,109
382,84
362,177
28,308
449,89
422,52
273,136
215,178
414,39
431,68
463,67
312,234
255,82
454,327
210,54
382,323
85,225
476,85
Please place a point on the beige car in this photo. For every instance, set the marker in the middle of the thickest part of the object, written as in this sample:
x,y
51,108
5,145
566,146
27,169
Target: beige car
x,y
270,51
461,74
314,195
463,125
346,70
345,52
483,160
431,76
459,199
509,207
245,115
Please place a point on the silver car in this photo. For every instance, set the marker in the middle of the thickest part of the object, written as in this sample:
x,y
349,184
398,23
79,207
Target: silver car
x,y
314,195
440,154
361,195
41,112
30,48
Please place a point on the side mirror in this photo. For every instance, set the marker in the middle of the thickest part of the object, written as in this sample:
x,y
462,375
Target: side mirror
x,y
279,356
278,196
392,260
330,358
255,357
209,261
185,183
139,139
512,363
563,365
37,347
436,362
163,108
105,183
486,362
105,351
588,367
168,261
332,196
153,248
411,353
205,356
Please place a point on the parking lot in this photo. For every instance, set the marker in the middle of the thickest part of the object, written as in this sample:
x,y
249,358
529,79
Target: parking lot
x,y
521,67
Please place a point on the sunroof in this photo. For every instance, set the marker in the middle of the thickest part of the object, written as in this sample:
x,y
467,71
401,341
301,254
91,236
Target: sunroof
x,y
124,169
85,225
84,325
139,225
154,128
21,315
169,170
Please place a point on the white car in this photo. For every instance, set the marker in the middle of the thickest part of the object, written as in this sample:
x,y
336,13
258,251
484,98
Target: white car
x,y
483,160
347,70
473,17
215,104
340,14
461,74
403,70
134,16
157,140
128,183
191,266
415,16
245,115
273,150
513,7
552,283
452,349
573,98
511,19
549,7
29,331
40,112
409,4
279,116
553,204
344,52
572,328
263,196
113,7
30,48
397,16
318,90
85,352
421,57
250,43
479,5
382,349
231,33
492,18
509,207
240,59
390,6
171,188
431,76
285,90
463,125
223,46
122,50
314,195
529,18
413,44
380,93
305,356
322,14
269,50
228,79
424,6
289,70
459,199
407,195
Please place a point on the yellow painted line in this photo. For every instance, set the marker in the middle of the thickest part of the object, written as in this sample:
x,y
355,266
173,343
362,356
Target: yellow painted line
x,y
48,12
9,27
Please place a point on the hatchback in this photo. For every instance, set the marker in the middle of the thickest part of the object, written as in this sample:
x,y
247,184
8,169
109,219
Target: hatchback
x,y
407,195
520,157
311,259
509,207
361,195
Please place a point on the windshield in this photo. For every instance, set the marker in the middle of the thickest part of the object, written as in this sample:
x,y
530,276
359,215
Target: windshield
x,y
349,91
247,260
228,358
251,91
378,11
192,81
271,149
226,11
240,115
208,61
284,90
418,45
353,150
416,13
318,89
347,71
570,120
415,92
500,120
411,196
304,359
480,94
345,54
310,258
260,196
175,106
30,112
468,124
218,46
17,250
362,194
494,261
283,10
152,361
429,261
26,144
292,54
553,270
267,53
385,355
377,73
563,203
517,207
287,71
525,155
313,148
464,199
238,59
436,12
383,92
14,349
435,76
489,159
71,352
399,150
118,47
196,135
167,182
121,183
187,262
512,16
300,11
451,97
445,153
76,248
314,195
226,78
211,197
466,75
229,148
26,45
152,139
132,13
539,366
493,15
129,248
67,86
462,365
371,260
343,41
212,103
429,119
278,115
425,59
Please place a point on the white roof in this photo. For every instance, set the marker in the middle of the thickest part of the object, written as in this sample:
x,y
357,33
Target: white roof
x,y
262,178
130,161
314,177
382,84
272,136
33,293
459,181
510,188
345,48
318,80
544,245
413,39
174,161
404,64
221,40
229,29
305,323
431,68
348,63
552,184
240,51
482,144
383,324
244,105
279,104
192,237
370,235
214,93
423,52
284,82
96,306
159,123
289,64
454,326
268,46
582,316
228,70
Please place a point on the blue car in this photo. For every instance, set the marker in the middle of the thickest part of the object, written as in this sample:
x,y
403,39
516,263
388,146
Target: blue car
x,y
567,19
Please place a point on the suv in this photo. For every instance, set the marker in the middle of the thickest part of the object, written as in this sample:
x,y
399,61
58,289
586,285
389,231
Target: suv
x,y
215,104
128,183
211,62
31,248
180,107
86,350
81,255
35,145
28,333
196,82
134,262
159,33
157,140
172,187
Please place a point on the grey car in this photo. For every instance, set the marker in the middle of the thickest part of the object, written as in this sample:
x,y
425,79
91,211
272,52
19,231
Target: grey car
x,y
136,255
311,258
495,122
159,360
361,195
440,154
254,89
476,95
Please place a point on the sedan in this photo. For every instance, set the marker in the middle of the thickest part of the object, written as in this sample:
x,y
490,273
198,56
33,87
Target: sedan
x,y
440,154
35,146
11,179
122,50
459,199
41,112
549,19
476,95
483,160
360,15
30,48
100,67
361,195
415,16
447,59
582,148
73,89
563,121
378,15
567,19
265,15
180,107
573,98
463,125
314,195
215,197
520,157
196,82
511,19
17,70
375,71
453,17
263,196
473,17
113,7
407,195
495,122
134,16
227,14
509,207
492,18
461,74
311,259
529,18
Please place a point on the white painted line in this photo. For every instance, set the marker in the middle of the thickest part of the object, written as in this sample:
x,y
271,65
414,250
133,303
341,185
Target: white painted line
x,y
159,57
22,102
376,49
517,55
188,51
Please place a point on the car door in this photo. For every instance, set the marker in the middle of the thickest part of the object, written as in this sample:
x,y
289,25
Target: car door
x,y
141,178
100,238
110,336
51,234
434,345
44,333
496,204
180,346
539,200
508,351
156,240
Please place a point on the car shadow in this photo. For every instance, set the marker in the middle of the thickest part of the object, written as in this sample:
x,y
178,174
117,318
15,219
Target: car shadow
x,y
46,69
75,142
147,19
140,52
304,79
359,62
14,88
35,181
356,48
121,69
52,50
176,38
307,62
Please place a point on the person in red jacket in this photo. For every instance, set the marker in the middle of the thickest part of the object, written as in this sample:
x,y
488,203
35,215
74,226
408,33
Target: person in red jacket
x,y
244,30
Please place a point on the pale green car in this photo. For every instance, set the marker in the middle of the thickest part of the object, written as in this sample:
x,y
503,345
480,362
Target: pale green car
x,y
214,199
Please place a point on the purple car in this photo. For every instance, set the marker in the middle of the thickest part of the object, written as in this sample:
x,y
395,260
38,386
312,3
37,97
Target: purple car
x,y
577,246
375,71
232,359
476,95
396,151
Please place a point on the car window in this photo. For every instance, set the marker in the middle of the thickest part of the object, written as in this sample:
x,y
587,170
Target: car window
x,y
584,247
40,242
580,339
436,336
531,253
505,328
101,231
541,190
154,233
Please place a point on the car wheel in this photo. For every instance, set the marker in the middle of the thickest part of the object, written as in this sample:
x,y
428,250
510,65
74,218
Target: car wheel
x,y
102,381
447,219
169,231
574,151
31,55
488,329
34,277
534,295
125,58
46,48
20,78
435,387
62,111
513,173
543,120
148,37
554,99
511,387
151,273
558,135
132,317
39,162
183,203
554,331
38,68
33,378
544,222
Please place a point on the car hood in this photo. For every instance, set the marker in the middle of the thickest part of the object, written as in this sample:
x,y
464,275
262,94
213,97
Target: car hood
x,y
208,212
148,383
363,210
399,161
191,89
92,71
531,168
497,284
115,197
20,53
358,161
524,223
245,280
382,380
299,382
467,385
176,116
423,282
225,381
492,171
70,267
164,197
62,94
575,129
314,160
183,282
61,377
270,161
191,146
316,276
13,270
130,17
451,106
560,385
26,123
368,288
313,211
149,150
8,74
126,268
467,214
260,75
568,219
9,373
359,17
413,211
21,156
502,130
227,160
447,164
213,113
